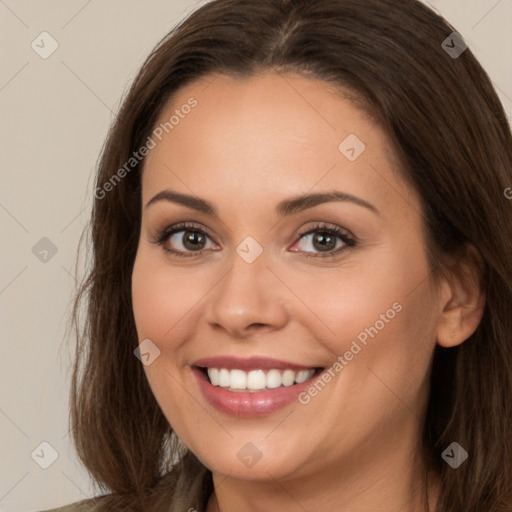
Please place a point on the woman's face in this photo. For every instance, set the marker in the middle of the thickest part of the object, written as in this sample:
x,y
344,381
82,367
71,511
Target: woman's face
x,y
264,292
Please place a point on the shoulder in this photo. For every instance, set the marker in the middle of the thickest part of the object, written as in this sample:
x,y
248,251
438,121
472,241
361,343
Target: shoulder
x,y
186,487
88,505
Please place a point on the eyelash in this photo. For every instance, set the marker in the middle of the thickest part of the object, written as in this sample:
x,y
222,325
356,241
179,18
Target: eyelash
x,y
349,242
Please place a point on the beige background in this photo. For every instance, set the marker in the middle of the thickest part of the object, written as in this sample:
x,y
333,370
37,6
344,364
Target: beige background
x,y
54,114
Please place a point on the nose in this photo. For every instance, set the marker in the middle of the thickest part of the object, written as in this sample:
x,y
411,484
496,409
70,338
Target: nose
x,y
249,300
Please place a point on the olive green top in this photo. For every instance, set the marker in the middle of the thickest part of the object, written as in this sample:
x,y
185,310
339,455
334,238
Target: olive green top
x,y
175,492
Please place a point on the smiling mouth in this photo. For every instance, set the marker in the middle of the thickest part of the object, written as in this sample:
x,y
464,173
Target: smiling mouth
x,y
256,380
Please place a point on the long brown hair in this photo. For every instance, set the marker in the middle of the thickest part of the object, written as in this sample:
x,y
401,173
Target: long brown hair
x,y
454,146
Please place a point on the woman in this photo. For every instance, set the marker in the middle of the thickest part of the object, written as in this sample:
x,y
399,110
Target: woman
x,y
301,284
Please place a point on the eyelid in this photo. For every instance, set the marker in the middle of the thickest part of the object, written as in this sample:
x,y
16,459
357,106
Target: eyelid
x,y
164,234
319,225
348,239
169,229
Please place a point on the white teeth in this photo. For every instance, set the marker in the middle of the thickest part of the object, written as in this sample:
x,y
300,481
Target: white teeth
x,y
302,376
274,379
255,380
288,378
224,379
213,373
238,379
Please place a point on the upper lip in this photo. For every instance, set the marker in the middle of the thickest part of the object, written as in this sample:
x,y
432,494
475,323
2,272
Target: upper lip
x,y
251,363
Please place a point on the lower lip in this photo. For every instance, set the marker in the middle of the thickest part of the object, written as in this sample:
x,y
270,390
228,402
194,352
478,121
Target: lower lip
x,y
239,403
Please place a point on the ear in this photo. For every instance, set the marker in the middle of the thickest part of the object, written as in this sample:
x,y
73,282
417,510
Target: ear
x,y
463,300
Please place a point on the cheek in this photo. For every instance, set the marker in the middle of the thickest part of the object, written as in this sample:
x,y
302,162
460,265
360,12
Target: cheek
x,y
338,304
162,297
390,371
378,314
161,300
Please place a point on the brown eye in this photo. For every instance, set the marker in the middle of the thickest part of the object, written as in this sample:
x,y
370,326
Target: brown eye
x,y
193,240
187,240
184,240
324,240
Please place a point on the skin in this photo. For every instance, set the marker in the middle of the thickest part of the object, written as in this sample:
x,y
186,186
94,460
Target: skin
x,y
249,144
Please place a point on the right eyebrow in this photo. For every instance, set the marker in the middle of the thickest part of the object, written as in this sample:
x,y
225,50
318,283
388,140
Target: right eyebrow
x,y
189,201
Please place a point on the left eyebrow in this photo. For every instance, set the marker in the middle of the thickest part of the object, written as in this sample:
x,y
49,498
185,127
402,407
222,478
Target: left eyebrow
x,y
284,208
301,203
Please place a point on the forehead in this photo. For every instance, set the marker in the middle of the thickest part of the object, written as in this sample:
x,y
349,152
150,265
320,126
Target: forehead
x,y
266,135
306,112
